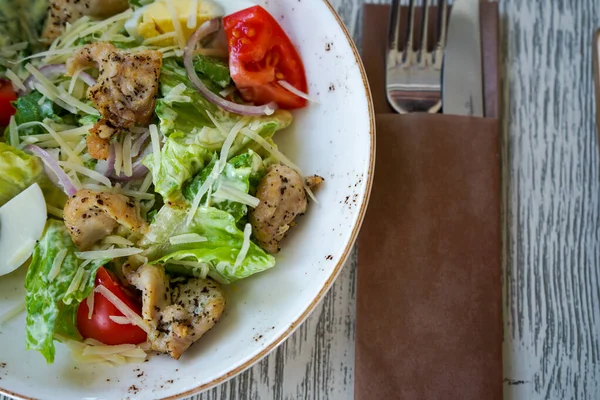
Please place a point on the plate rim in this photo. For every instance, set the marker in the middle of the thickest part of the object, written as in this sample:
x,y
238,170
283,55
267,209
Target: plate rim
x,y
336,271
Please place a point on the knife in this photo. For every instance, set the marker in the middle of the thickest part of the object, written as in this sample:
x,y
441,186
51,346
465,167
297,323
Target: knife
x,y
462,86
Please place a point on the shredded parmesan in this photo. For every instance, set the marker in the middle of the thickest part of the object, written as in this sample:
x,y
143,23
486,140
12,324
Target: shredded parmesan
x,y
74,80
193,15
127,163
90,303
76,281
61,142
13,131
226,92
187,238
176,24
16,81
287,86
271,149
118,157
119,319
159,38
107,254
56,264
57,212
123,308
233,194
86,171
146,184
118,240
245,246
155,149
93,351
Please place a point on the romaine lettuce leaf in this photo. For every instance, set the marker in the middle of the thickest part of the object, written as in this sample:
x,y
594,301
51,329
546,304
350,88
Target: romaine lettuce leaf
x,y
215,70
19,170
29,109
179,162
50,309
242,173
219,252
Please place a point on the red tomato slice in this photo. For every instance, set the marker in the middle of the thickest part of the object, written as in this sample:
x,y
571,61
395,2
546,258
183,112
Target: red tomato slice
x,y
260,55
100,326
7,95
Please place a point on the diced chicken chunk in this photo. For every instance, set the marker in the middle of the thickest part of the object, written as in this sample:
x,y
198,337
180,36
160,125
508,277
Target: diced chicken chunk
x,y
91,216
125,92
62,11
282,197
178,314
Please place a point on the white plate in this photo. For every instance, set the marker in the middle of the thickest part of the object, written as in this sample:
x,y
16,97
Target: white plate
x,y
335,139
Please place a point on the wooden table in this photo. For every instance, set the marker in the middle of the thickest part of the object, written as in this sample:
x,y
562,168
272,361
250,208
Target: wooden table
x,y
551,218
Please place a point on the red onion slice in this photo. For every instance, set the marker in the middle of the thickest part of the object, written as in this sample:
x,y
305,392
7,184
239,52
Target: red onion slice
x,y
137,145
207,28
51,164
139,171
52,71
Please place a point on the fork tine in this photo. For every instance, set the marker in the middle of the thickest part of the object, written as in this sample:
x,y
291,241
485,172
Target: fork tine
x,y
424,47
394,29
441,33
409,45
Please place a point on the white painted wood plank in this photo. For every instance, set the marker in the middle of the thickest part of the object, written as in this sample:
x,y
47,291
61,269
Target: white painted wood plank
x,y
551,293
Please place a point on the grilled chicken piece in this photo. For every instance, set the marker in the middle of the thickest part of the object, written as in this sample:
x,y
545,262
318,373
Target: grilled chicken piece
x,y
125,92
282,198
62,11
178,315
91,216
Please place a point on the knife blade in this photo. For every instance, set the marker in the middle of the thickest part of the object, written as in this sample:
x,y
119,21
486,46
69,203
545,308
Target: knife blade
x,y
462,79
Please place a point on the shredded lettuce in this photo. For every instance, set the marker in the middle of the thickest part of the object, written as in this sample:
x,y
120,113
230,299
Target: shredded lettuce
x,y
219,252
50,309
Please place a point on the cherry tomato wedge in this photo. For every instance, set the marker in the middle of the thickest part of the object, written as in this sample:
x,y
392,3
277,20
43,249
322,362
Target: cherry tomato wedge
x,y
260,55
100,326
7,96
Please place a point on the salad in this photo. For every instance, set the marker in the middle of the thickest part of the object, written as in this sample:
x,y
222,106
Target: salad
x,y
138,171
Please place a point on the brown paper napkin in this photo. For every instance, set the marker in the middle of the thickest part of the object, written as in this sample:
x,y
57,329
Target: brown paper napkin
x,y
429,315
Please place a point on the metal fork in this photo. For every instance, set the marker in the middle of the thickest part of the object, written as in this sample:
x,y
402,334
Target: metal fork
x,y
413,76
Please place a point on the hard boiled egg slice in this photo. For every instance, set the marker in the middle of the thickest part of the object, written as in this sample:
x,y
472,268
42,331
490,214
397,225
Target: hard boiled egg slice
x,y
22,222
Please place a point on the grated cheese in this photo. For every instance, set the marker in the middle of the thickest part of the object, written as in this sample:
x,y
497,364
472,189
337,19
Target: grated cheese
x,y
233,194
271,149
76,281
187,238
119,319
127,163
13,131
61,142
90,303
57,264
43,90
86,171
93,351
146,184
99,26
16,81
226,92
104,254
176,24
290,88
118,240
245,246
155,149
74,80
193,14
118,157
168,35
57,212
123,308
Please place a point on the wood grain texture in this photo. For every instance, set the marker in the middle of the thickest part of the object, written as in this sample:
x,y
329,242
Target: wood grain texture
x,y
551,215
551,292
